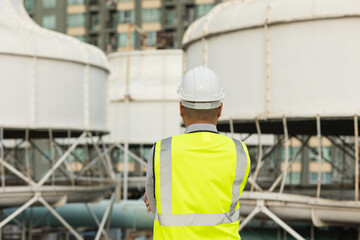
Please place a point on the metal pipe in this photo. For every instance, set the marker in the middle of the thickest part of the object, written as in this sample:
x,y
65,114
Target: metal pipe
x,y
286,154
231,122
319,158
259,155
125,214
356,158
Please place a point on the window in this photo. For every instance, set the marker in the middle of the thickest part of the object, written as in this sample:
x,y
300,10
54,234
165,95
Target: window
x,y
75,2
76,20
29,5
325,153
151,15
49,21
122,39
203,9
81,38
293,178
292,152
126,16
95,22
170,18
150,38
325,177
49,3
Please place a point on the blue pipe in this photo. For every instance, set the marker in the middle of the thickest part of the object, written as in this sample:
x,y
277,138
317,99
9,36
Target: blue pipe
x,y
126,214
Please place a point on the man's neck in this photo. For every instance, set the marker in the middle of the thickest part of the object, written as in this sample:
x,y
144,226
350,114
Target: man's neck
x,y
200,121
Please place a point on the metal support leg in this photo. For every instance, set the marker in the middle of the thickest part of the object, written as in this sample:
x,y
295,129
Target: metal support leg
x,y
108,167
61,160
262,208
253,183
52,156
2,157
108,160
259,155
277,181
20,210
356,158
276,219
126,150
30,224
95,218
17,172
62,220
105,217
249,217
133,155
23,226
27,153
94,160
1,217
319,158
286,154
312,235
231,122
67,174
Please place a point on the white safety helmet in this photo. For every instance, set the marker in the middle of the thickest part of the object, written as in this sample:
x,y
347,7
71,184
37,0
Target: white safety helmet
x,y
201,89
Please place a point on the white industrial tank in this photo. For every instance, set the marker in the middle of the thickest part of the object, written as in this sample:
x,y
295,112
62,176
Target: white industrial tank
x,y
52,112
48,80
293,58
153,112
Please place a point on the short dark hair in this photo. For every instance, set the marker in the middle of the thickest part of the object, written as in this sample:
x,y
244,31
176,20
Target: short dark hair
x,y
201,114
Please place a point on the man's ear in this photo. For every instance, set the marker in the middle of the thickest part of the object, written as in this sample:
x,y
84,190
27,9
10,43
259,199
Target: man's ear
x,y
181,110
220,110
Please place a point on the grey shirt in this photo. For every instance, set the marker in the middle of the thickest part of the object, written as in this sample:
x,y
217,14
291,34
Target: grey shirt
x,y
149,182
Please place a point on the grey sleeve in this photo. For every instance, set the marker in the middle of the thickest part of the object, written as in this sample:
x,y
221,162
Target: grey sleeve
x,y
150,182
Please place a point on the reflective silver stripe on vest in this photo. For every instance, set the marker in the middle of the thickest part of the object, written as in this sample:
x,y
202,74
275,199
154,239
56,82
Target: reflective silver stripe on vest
x,y
165,176
197,219
166,218
241,162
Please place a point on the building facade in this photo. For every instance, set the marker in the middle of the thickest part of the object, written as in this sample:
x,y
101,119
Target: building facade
x,y
105,23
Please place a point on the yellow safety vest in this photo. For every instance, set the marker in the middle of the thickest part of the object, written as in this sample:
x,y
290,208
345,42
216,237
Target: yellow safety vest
x,y
199,178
